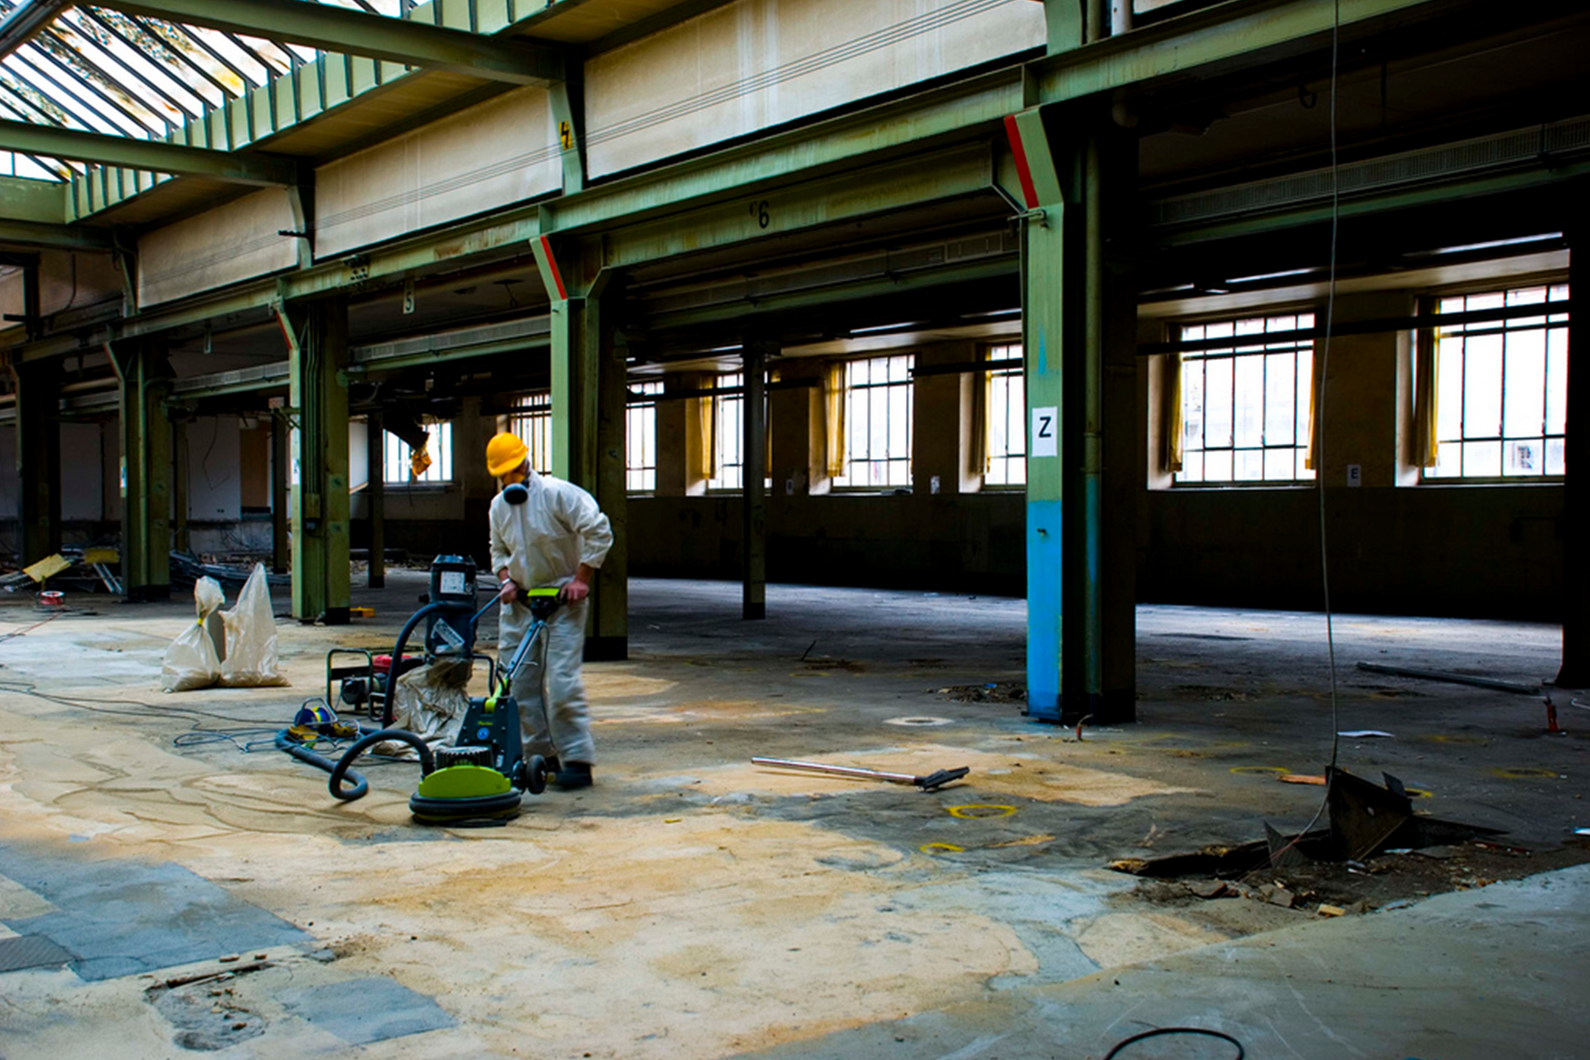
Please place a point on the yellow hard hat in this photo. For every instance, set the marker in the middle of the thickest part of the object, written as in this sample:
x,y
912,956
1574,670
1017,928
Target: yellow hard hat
x,y
504,453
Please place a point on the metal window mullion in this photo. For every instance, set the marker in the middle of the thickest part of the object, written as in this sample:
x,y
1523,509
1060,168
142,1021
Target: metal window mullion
x,y
141,79
86,90
176,50
26,74
171,71
249,50
204,46
115,79
27,104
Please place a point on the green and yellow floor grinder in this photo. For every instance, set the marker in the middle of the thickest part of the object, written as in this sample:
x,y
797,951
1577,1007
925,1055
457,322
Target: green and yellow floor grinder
x,y
481,778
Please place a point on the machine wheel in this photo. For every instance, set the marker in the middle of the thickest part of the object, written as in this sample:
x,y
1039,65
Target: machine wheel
x,y
535,774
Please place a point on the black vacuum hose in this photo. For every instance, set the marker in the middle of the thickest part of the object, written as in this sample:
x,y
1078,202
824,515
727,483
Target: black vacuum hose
x,y
285,742
396,671
362,744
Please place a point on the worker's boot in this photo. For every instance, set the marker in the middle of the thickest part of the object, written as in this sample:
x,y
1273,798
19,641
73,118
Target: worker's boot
x,y
572,775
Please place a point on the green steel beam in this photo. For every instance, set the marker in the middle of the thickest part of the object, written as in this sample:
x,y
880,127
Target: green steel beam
x,y
1549,173
55,236
42,201
910,182
351,32
153,155
1245,32
792,157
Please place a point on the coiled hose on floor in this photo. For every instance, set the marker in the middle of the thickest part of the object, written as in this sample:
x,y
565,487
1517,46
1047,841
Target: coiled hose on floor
x,y
342,768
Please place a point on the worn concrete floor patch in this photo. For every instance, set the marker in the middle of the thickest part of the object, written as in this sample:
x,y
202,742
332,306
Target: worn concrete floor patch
x,y
118,917
30,951
361,1011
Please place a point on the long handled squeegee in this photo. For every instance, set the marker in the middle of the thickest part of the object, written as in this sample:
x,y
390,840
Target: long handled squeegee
x,y
927,783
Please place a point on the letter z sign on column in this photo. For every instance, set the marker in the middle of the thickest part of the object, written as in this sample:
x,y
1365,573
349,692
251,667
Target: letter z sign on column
x,y
1045,431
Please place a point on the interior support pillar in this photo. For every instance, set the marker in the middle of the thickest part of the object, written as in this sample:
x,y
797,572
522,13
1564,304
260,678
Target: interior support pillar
x,y
1575,672
38,393
181,539
1083,668
375,499
589,415
281,464
146,470
318,355
752,473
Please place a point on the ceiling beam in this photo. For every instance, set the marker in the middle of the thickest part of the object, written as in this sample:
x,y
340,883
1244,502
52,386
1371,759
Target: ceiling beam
x,y
26,19
41,235
351,32
154,155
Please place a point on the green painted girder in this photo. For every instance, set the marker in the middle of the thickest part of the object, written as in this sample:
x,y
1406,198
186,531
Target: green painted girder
x,y
1223,36
1547,174
915,181
54,236
351,32
153,155
819,150
42,201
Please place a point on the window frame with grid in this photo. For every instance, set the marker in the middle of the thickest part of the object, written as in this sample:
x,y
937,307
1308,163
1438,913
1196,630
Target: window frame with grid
x,y
728,434
866,395
1527,363
640,437
1005,421
1280,441
531,420
396,454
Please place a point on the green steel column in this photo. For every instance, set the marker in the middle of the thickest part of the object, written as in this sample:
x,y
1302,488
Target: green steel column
x,y
38,392
146,471
754,505
588,421
1092,357
608,636
181,540
318,353
375,499
1575,672
1044,321
281,464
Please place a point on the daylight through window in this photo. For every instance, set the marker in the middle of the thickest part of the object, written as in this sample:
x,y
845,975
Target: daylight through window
x,y
877,423
1245,406
397,458
728,434
1006,415
1501,388
531,420
640,438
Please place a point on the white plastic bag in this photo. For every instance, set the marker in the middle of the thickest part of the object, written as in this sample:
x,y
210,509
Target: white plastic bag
x,y
251,658
191,661
429,701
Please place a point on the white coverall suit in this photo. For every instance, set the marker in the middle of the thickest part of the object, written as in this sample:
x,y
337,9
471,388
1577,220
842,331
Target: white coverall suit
x,y
542,542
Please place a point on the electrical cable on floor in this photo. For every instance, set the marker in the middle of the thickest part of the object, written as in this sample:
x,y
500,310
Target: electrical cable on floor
x,y
1318,429
144,710
1158,1031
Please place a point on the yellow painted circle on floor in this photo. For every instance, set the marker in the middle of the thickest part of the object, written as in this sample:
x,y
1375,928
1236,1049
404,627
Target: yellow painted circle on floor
x,y
1259,771
1526,773
936,848
979,810
1441,737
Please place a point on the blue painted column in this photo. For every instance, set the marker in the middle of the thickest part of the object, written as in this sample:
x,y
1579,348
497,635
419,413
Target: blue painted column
x,y
1043,326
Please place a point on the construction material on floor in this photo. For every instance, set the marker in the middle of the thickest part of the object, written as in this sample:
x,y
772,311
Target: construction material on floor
x,y
1452,678
930,782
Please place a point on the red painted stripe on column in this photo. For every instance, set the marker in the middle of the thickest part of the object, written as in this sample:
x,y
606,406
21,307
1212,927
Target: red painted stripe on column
x,y
552,264
1023,170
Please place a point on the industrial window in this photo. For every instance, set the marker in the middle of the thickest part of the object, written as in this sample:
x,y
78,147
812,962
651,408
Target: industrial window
x,y
1246,406
640,438
1004,423
1500,388
434,469
531,420
877,423
728,435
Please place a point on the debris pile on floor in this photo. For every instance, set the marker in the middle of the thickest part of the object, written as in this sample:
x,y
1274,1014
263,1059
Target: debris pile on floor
x,y
993,692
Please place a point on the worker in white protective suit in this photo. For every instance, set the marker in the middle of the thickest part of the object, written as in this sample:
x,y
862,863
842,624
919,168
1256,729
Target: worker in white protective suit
x,y
550,533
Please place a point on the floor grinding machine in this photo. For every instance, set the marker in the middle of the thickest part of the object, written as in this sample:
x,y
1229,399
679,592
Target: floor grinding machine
x,y
482,776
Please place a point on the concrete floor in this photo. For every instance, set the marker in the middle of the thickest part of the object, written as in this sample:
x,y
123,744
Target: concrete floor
x,y
693,905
